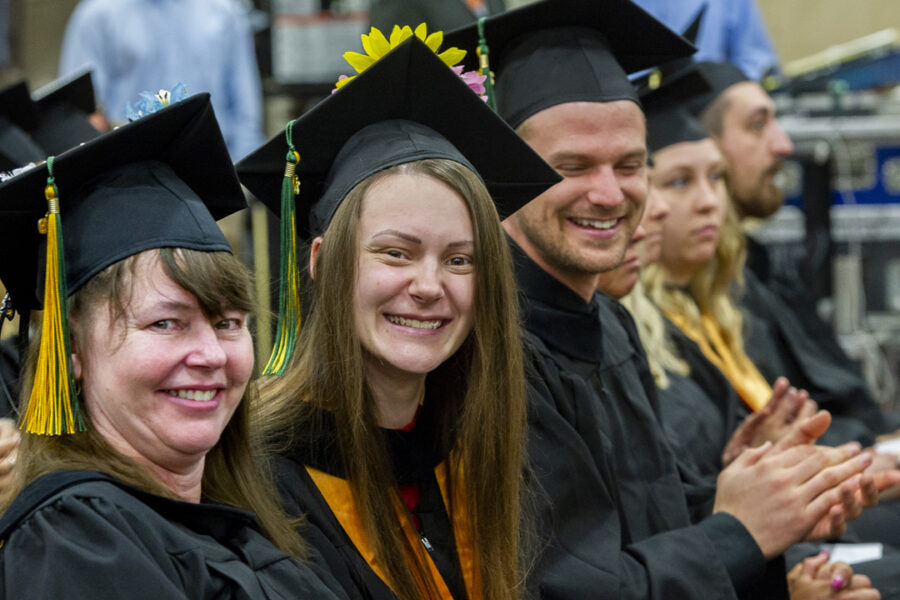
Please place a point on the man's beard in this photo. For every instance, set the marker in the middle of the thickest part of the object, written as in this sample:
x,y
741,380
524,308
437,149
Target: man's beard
x,y
763,200
560,256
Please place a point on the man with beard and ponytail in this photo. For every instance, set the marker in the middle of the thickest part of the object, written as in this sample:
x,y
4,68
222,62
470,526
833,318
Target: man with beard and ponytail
x,y
784,335
613,509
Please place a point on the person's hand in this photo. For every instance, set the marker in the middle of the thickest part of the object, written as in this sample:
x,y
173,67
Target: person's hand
x,y
816,579
781,495
9,447
886,474
863,491
773,422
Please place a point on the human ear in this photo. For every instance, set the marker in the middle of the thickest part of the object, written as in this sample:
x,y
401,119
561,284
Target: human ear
x,y
313,253
76,366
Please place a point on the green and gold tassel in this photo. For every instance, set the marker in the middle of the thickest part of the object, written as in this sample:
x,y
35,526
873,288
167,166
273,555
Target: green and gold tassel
x,y
289,289
485,67
53,407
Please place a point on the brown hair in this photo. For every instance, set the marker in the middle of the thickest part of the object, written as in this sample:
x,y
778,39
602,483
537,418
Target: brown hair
x,y
233,472
484,422
712,117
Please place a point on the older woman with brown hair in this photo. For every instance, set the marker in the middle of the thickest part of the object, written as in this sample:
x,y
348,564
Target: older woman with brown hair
x,y
137,475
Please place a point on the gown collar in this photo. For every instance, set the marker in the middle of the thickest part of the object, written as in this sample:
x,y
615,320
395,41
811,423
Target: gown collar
x,y
555,313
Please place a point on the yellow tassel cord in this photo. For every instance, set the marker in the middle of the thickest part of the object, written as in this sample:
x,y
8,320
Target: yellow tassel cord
x,y
53,406
289,289
485,67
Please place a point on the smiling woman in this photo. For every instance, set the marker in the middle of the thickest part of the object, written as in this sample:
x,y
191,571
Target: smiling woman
x,y
400,419
415,289
136,476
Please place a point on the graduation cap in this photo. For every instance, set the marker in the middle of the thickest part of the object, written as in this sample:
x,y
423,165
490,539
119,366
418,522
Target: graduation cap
x,y
668,119
407,106
558,51
63,109
671,69
157,182
721,76
18,115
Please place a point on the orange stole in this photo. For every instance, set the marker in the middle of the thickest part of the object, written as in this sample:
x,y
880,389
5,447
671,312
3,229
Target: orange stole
x,y
337,494
743,375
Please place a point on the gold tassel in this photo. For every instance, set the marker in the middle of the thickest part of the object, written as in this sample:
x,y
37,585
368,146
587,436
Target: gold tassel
x,y
53,405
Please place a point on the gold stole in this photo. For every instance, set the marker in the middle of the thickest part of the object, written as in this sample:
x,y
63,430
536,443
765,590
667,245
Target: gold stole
x,y
751,386
337,494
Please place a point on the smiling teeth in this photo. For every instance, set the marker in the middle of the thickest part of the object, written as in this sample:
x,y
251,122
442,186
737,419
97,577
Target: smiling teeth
x,y
596,224
414,323
198,395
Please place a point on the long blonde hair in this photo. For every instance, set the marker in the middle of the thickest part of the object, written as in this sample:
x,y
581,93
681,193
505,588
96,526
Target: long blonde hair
x,y
662,355
713,289
484,425
234,472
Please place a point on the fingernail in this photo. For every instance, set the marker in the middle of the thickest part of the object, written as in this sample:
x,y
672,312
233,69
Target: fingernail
x,y
837,582
824,553
865,459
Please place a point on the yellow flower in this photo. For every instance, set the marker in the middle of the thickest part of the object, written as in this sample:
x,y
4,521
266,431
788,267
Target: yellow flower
x,y
376,46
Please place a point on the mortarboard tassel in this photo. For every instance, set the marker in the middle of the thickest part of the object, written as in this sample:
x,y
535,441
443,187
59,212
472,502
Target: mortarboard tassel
x,y
289,289
485,67
53,406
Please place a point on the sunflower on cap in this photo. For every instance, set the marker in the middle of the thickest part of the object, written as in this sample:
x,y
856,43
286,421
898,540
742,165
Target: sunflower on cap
x,y
377,46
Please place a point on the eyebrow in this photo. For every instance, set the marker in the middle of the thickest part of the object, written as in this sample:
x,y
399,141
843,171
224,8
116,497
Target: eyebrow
x,y
170,305
413,239
761,111
570,156
640,153
403,236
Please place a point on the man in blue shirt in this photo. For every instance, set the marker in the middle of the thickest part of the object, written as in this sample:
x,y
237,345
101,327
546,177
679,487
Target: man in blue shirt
x,y
732,31
147,45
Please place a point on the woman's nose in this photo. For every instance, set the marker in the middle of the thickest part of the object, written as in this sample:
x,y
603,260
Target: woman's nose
x,y
206,348
427,285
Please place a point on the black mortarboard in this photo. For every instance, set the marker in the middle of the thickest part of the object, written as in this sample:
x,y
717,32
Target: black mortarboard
x,y
17,116
559,51
157,182
668,119
672,69
720,75
408,106
63,109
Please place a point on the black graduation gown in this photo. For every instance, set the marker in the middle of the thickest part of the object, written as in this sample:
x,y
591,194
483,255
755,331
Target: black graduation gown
x,y
83,534
784,336
702,410
636,540
416,453
699,411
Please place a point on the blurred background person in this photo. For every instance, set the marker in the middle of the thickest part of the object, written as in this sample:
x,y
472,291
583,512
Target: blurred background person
x,y
136,45
732,30
438,14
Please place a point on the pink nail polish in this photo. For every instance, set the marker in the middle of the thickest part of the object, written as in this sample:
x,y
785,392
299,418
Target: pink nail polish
x,y
837,582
